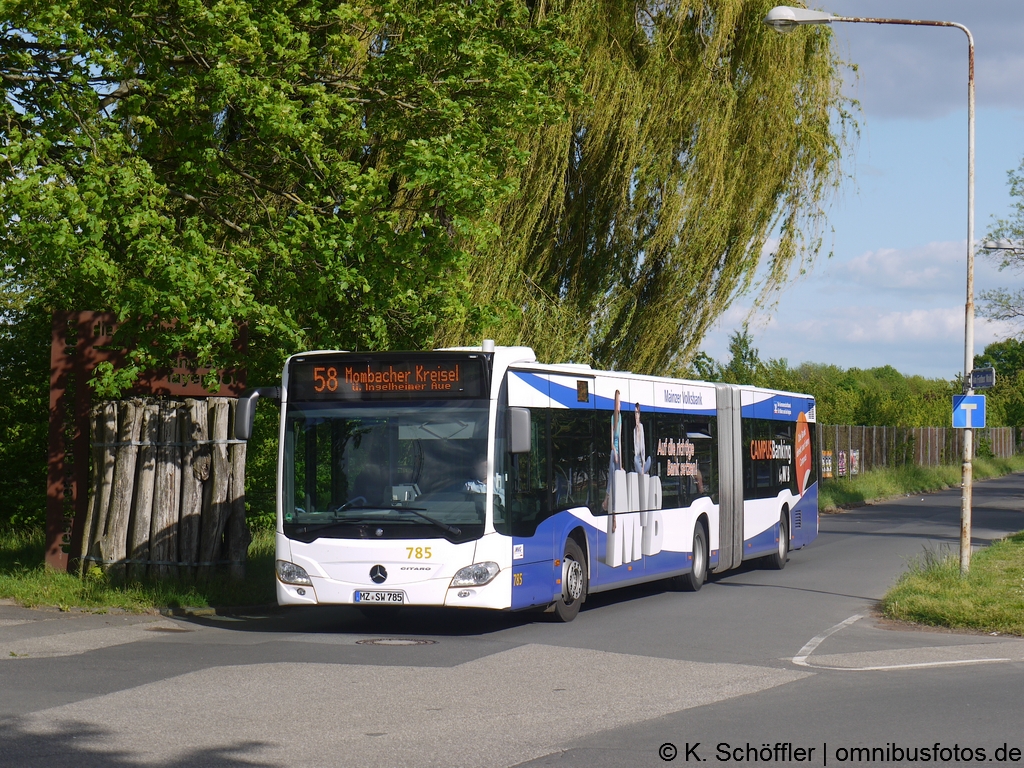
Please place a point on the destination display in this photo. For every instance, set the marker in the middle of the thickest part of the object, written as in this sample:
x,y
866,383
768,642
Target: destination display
x,y
388,378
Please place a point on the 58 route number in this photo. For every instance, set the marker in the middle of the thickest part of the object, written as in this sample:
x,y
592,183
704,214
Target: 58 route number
x,y
325,378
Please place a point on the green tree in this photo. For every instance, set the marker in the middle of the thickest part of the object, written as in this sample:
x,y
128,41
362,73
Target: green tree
x,y
643,216
320,171
1001,303
871,397
744,365
1005,401
1007,357
24,373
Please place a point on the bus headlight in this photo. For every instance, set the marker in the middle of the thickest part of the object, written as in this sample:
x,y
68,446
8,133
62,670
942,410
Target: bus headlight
x,y
290,573
475,575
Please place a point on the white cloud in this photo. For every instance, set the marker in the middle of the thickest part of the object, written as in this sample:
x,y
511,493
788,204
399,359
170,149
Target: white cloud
x,y
927,267
891,306
936,271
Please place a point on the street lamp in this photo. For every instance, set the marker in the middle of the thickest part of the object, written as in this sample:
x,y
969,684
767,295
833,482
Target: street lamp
x,y
785,19
1003,245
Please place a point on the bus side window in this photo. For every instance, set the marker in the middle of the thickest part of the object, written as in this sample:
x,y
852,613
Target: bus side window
x,y
671,434
527,490
701,433
573,460
772,470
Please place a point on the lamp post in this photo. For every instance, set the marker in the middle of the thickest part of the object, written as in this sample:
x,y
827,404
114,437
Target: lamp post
x,y
785,19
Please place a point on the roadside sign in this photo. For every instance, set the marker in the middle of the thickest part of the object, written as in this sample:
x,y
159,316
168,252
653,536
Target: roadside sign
x,y
968,411
983,378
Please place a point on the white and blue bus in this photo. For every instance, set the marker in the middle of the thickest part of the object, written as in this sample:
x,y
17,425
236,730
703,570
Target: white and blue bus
x,y
480,478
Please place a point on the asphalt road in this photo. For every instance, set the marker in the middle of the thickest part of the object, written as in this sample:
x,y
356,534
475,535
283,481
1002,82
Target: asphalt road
x,y
795,660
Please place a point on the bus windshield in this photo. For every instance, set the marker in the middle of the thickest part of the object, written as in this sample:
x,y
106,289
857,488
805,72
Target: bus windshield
x,y
400,470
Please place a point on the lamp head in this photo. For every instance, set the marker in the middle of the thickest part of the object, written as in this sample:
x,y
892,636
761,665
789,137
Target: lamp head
x,y
785,18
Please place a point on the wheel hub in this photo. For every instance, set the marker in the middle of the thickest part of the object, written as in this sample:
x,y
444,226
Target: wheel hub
x,y
572,580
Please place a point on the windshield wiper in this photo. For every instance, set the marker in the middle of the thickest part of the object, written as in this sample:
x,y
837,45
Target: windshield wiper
x,y
417,511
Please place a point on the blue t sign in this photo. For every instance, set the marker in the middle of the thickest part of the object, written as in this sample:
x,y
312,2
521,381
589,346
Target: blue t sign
x,y
969,411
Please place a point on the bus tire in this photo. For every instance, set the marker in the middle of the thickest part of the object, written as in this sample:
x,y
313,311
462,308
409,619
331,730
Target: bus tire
x,y
777,560
694,580
574,582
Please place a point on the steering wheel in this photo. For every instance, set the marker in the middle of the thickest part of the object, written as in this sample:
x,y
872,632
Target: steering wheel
x,y
347,504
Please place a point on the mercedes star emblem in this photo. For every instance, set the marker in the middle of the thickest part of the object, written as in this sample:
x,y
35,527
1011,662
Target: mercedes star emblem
x,y
378,574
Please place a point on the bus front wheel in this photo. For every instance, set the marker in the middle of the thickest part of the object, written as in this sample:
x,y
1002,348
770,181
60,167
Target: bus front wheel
x,y
574,582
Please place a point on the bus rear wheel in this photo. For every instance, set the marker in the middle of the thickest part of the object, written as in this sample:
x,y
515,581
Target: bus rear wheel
x,y
574,582
777,560
694,580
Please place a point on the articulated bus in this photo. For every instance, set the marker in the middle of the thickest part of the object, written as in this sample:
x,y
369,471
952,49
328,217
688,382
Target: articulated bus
x,y
480,478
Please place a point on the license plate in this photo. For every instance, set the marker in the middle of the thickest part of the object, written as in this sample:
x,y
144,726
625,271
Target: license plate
x,y
379,596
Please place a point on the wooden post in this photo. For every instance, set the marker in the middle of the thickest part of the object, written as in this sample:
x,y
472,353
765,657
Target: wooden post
x,y
88,525
215,508
194,475
163,539
105,438
145,477
238,536
115,538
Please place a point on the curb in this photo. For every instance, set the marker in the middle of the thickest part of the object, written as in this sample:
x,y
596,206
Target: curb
x,y
223,610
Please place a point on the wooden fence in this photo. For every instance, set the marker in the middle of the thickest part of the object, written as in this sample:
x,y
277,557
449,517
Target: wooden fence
x,y
849,450
167,495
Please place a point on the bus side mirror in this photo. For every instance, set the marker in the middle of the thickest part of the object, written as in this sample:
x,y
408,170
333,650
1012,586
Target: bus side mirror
x,y
519,430
246,409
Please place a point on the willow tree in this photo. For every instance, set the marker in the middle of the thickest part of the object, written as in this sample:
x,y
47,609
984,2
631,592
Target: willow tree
x,y
640,218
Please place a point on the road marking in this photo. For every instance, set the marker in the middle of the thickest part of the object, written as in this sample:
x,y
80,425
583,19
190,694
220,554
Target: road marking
x,y
804,653
801,657
919,665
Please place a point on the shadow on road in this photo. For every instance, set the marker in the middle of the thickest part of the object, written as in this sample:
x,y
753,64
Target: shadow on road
x,y
82,745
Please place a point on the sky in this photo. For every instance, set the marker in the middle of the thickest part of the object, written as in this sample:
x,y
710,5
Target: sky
x,y
893,290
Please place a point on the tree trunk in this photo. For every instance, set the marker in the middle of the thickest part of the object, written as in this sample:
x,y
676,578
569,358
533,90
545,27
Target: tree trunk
x,y
163,540
115,538
142,506
195,472
215,510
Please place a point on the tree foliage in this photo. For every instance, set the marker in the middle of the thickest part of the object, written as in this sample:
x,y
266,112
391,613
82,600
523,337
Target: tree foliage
x,y
871,397
319,171
1000,303
24,372
1005,401
645,214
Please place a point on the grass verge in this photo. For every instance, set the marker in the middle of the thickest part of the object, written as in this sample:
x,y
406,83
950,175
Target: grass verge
x,y
880,484
989,599
24,579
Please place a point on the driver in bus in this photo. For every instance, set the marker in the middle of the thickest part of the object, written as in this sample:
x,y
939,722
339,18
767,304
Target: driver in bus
x,y
477,483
